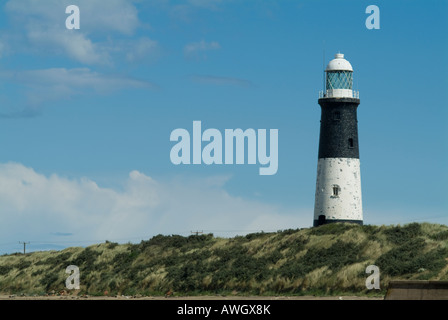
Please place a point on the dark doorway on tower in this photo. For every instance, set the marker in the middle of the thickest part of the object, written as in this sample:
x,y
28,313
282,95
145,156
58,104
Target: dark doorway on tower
x,y
321,220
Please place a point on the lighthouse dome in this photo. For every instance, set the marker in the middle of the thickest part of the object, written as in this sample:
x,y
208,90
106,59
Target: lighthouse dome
x,y
339,63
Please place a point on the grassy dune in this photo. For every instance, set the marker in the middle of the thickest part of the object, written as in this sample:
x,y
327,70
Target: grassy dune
x,y
326,260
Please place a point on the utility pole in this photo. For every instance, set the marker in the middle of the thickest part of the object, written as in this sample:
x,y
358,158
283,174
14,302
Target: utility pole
x,y
197,232
24,246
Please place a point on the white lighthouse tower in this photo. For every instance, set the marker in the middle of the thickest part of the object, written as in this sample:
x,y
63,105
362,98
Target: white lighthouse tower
x,y
338,183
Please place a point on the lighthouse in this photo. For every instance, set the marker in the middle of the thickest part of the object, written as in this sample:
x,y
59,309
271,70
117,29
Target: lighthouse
x,y
338,183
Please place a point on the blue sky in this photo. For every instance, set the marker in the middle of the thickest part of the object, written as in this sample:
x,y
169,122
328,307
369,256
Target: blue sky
x,y
86,115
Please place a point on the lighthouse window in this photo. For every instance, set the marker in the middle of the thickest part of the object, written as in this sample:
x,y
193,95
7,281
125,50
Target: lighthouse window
x,y
339,80
337,115
350,143
336,190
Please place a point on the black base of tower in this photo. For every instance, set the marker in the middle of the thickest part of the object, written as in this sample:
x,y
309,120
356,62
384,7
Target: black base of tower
x,y
321,221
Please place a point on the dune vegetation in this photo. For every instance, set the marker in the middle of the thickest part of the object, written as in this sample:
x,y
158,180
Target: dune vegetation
x,y
326,260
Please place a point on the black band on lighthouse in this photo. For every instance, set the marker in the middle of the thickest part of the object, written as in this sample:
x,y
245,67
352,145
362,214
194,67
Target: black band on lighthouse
x,y
323,220
339,128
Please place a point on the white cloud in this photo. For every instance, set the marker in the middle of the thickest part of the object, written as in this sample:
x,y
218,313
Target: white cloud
x,y
45,85
39,27
71,44
36,205
96,15
143,49
112,15
195,49
77,78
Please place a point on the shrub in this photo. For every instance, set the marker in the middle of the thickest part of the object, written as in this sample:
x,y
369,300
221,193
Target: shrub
x,y
441,236
177,241
255,235
400,235
293,246
111,245
371,231
338,255
23,264
86,259
403,259
56,260
48,281
4,270
287,231
331,228
273,257
112,285
38,272
123,260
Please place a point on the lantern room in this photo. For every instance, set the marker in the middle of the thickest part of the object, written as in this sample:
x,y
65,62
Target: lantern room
x,y
339,79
